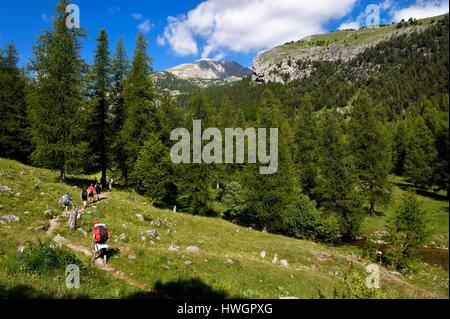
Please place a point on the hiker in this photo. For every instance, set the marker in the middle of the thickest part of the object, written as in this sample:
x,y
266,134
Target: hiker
x,y
110,185
100,236
84,197
98,190
91,193
65,201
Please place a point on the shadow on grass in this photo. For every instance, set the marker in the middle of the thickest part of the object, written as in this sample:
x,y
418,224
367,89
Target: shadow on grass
x,y
28,292
181,289
421,191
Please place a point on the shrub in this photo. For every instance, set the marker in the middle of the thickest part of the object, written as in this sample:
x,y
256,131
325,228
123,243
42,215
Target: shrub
x,y
44,258
303,220
231,198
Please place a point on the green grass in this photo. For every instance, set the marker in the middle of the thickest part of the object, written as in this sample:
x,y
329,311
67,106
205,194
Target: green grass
x,y
435,205
227,265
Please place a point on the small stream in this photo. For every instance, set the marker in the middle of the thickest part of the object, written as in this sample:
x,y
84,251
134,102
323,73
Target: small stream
x,y
433,256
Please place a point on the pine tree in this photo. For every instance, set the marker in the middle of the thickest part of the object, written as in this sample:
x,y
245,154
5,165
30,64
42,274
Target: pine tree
x,y
337,189
266,196
305,143
139,97
119,68
371,151
98,124
56,99
420,152
14,139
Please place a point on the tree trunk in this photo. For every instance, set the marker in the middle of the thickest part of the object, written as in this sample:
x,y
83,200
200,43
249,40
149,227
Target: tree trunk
x,y
372,208
73,218
62,176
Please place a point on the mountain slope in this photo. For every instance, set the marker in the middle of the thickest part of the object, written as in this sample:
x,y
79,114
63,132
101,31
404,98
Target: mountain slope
x,y
227,260
294,60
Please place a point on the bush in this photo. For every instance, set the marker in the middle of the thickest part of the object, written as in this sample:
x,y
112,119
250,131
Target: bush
x,y
407,229
231,198
303,220
44,258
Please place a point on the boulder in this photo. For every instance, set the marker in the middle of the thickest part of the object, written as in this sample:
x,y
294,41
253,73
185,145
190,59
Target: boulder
x,y
158,223
153,233
83,232
188,263
173,247
27,212
132,257
192,249
229,261
10,218
140,217
284,263
5,188
262,254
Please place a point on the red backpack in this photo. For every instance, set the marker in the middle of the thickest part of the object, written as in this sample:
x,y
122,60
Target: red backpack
x,y
101,234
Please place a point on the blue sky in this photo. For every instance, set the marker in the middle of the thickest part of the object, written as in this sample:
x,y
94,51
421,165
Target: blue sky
x,y
182,31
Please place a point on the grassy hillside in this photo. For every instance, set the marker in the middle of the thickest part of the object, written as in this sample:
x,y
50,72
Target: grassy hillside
x,y
340,38
228,262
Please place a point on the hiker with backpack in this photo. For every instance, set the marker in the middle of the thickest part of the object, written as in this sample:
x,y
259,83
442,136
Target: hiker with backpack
x,y
100,236
65,201
98,190
91,193
84,197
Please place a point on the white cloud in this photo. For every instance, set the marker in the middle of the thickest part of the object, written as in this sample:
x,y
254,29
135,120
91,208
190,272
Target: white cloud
x,y
422,9
137,16
145,26
350,25
249,25
160,40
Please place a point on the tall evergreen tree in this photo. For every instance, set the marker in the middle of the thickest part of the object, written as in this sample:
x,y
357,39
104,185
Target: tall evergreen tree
x,y
56,98
119,68
267,195
98,124
337,188
140,108
14,137
306,146
371,150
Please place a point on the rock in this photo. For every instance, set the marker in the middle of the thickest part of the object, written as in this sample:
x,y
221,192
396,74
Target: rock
x,y
59,239
284,263
36,186
40,228
27,212
131,257
158,223
262,254
5,188
275,259
10,218
173,247
143,238
18,194
140,217
2,222
188,263
153,233
152,242
83,232
121,237
124,226
43,194
192,249
229,261
20,249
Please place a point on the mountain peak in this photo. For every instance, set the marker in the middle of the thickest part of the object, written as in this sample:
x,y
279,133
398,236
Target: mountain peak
x,y
209,69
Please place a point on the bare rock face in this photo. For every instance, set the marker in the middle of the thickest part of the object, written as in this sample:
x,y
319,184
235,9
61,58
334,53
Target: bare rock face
x,y
294,61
